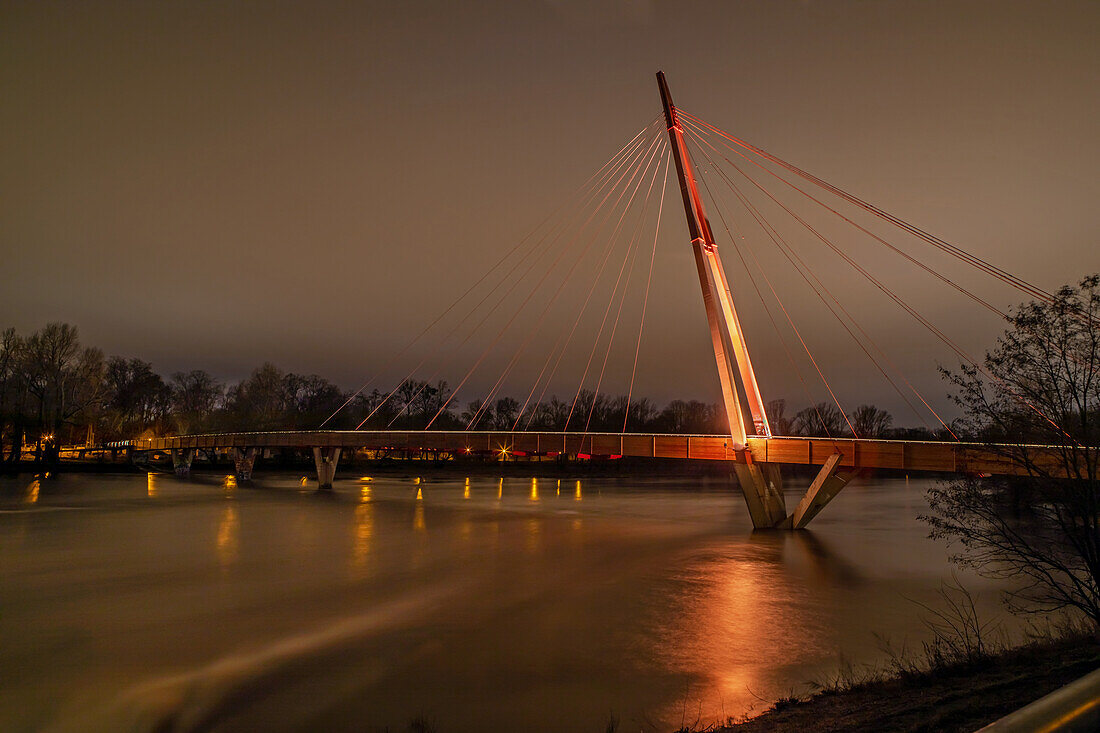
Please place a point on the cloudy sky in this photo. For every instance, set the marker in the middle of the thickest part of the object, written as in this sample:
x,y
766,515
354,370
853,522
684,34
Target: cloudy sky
x,y
217,185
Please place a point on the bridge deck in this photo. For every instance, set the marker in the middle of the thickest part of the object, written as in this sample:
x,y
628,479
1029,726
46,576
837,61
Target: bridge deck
x,y
893,454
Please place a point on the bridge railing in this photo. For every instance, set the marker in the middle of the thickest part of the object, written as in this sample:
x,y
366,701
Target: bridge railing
x,y
901,455
1070,709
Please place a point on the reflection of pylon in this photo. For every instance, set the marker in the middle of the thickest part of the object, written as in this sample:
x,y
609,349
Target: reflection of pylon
x,y
725,330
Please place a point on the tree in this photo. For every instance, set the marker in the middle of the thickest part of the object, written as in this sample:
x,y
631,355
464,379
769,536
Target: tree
x,y
477,415
823,419
261,401
777,417
685,417
430,401
65,380
195,397
641,412
1040,385
370,410
871,422
137,397
12,392
505,410
546,415
310,399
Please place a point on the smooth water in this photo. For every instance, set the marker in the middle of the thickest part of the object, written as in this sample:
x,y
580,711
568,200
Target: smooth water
x,y
149,603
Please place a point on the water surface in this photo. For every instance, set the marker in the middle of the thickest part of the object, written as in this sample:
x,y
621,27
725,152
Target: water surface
x,y
130,602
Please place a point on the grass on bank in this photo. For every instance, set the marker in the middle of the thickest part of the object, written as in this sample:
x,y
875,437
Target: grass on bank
x,y
967,675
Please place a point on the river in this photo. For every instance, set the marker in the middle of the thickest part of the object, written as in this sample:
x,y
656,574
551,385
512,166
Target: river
x,y
134,603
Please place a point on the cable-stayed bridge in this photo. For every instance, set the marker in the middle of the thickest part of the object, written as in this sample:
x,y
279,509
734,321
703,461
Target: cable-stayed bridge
x,y
616,207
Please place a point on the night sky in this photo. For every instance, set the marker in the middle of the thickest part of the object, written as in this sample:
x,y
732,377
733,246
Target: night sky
x,y
218,185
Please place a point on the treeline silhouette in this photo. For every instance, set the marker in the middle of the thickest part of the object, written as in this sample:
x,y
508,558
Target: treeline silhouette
x,y
55,391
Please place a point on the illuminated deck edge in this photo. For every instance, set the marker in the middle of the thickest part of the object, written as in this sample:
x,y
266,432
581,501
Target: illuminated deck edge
x,y
902,455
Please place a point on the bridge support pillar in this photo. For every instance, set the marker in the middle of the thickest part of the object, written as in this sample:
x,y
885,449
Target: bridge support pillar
x,y
762,486
825,486
181,461
243,461
326,459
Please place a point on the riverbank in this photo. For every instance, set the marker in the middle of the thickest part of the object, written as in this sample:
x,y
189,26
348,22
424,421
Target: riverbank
x,y
960,697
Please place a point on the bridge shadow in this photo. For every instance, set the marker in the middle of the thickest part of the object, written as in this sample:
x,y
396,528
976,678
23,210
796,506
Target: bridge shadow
x,y
828,564
824,563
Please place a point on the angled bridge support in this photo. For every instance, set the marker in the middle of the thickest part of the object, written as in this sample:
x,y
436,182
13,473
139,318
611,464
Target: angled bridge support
x,y
763,489
825,486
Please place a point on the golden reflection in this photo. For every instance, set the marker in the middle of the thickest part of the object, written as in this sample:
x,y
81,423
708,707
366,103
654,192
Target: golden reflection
x,y
364,495
151,485
725,624
576,523
418,518
364,531
419,495
32,491
466,490
365,478
533,534
304,481
416,481
559,487
229,530
577,493
229,482
534,489
500,490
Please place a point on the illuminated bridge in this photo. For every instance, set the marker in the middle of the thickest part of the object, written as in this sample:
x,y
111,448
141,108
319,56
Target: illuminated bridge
x,y
753,450
756,464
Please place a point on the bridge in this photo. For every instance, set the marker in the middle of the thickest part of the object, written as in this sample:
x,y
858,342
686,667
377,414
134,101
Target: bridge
x,y
756,464
750,447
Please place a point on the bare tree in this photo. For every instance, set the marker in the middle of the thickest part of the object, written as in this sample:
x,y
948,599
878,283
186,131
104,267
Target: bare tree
x,y
195,397
137,399
823,419
871,422
477,415
504,411
777,417
641,412
12,392
1040,386
430,401
65,380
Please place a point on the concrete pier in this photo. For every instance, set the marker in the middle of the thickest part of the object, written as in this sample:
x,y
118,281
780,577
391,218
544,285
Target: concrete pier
x,y
243,461
326,459
181,461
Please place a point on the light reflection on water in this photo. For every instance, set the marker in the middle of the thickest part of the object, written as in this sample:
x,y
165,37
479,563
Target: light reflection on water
x,y
33,488
364,532
229,536
648,598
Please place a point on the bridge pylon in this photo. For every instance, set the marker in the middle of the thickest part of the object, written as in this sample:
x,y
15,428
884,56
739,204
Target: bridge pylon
x,y
727,339
761,483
